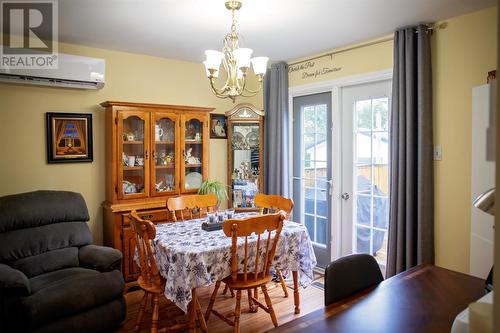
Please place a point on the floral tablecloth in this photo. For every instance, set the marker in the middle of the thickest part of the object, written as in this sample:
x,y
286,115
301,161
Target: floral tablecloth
x,y
189,257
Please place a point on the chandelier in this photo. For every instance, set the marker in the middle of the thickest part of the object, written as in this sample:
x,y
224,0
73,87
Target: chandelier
x,y
236,62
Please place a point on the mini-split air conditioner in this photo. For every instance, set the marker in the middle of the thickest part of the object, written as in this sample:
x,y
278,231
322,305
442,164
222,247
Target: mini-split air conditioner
x,y
72,72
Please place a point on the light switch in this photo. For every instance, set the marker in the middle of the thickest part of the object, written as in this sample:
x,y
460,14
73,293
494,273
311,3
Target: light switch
x,y
438,153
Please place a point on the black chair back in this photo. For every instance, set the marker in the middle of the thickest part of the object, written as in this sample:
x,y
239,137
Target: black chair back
x,y
350,274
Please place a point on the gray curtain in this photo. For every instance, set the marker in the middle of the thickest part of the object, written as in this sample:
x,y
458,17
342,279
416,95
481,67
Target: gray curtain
x,y
276,179
411,219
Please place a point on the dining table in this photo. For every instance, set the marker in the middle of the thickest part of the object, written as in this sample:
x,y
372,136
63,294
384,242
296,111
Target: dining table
x,y
189,257
422,299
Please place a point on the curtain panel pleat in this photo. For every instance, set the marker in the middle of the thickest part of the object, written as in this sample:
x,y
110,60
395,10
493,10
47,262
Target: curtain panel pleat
x,y
276,163
411,218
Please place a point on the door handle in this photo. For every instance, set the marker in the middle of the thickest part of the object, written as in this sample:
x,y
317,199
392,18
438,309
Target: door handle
x,y
345,196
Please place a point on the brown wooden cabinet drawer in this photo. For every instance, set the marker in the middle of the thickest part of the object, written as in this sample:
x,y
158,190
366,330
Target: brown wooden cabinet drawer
x,y
155,216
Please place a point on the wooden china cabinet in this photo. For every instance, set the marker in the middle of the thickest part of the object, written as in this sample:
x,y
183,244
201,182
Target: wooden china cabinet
x,y
153,152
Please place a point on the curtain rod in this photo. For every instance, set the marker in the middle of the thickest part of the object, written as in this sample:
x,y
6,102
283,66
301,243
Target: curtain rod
x,y
430,27
385,40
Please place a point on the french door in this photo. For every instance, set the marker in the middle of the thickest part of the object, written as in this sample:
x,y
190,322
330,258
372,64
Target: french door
x,y
312,171
365,169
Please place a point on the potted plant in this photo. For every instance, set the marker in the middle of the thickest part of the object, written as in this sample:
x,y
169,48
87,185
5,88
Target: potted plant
x,y
216,187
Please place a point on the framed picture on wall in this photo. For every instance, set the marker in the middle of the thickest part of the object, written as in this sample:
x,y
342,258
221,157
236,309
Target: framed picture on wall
x,y
218,126
69,137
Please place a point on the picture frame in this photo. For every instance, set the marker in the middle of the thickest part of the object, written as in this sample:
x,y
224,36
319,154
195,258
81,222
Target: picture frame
x,y
218,126
69,137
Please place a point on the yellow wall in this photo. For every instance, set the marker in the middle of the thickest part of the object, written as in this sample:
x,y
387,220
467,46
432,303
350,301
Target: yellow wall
x,y
129,77
462,54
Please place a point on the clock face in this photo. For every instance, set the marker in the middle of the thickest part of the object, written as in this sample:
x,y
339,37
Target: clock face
x,y
245,113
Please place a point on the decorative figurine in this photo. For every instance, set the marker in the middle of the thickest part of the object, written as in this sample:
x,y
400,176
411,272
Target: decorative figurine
x,y
189,159
161,159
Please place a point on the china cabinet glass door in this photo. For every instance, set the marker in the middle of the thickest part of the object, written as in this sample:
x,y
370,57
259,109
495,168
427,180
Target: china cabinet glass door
x,y
133,171
194,157
165,173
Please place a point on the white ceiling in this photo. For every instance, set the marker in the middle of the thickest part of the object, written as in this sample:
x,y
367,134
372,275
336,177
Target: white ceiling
x,y
279,29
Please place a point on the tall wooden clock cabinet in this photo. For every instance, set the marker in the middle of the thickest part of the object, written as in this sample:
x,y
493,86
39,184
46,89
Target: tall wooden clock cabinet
x,y
153,152
245,128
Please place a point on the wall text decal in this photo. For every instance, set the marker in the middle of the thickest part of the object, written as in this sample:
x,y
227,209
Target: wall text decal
x,y
308,70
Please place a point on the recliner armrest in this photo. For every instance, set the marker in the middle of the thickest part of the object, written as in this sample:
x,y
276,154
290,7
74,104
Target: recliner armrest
x,y
13,280
100,258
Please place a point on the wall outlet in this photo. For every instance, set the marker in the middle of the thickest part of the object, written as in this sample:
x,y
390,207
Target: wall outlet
x,y
438,153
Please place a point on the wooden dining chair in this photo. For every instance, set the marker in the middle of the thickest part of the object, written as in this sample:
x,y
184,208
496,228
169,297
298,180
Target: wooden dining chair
x,y
250,278
204,203
150,280
268,202
276,203
182,207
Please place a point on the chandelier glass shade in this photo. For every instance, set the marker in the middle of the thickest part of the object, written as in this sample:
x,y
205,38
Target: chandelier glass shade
x,y
236,62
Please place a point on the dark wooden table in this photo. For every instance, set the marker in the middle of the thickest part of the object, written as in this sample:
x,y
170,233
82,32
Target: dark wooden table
x,y
423,299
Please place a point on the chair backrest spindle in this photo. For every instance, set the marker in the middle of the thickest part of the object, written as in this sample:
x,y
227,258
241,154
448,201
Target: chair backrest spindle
x,y
234,245
257,257
245,261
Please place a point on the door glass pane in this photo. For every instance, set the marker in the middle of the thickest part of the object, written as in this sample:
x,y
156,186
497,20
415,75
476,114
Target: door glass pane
x,y
309,201
363,238
133,156
363,179
380,245
363,209
193,154
321,118
321,230
363,111
321,148
380,114
165,155
380,212
309,222
309,148
321,204
371,176
380,151
363,146
309,119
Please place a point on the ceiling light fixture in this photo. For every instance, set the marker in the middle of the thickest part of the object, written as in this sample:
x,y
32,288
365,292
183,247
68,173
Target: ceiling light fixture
x,y
236,62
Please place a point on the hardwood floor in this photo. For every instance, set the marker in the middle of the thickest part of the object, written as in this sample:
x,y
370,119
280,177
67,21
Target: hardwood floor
x,y
311,299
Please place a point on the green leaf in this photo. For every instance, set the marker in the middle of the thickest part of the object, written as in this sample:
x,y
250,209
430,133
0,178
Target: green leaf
x,y
215,187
